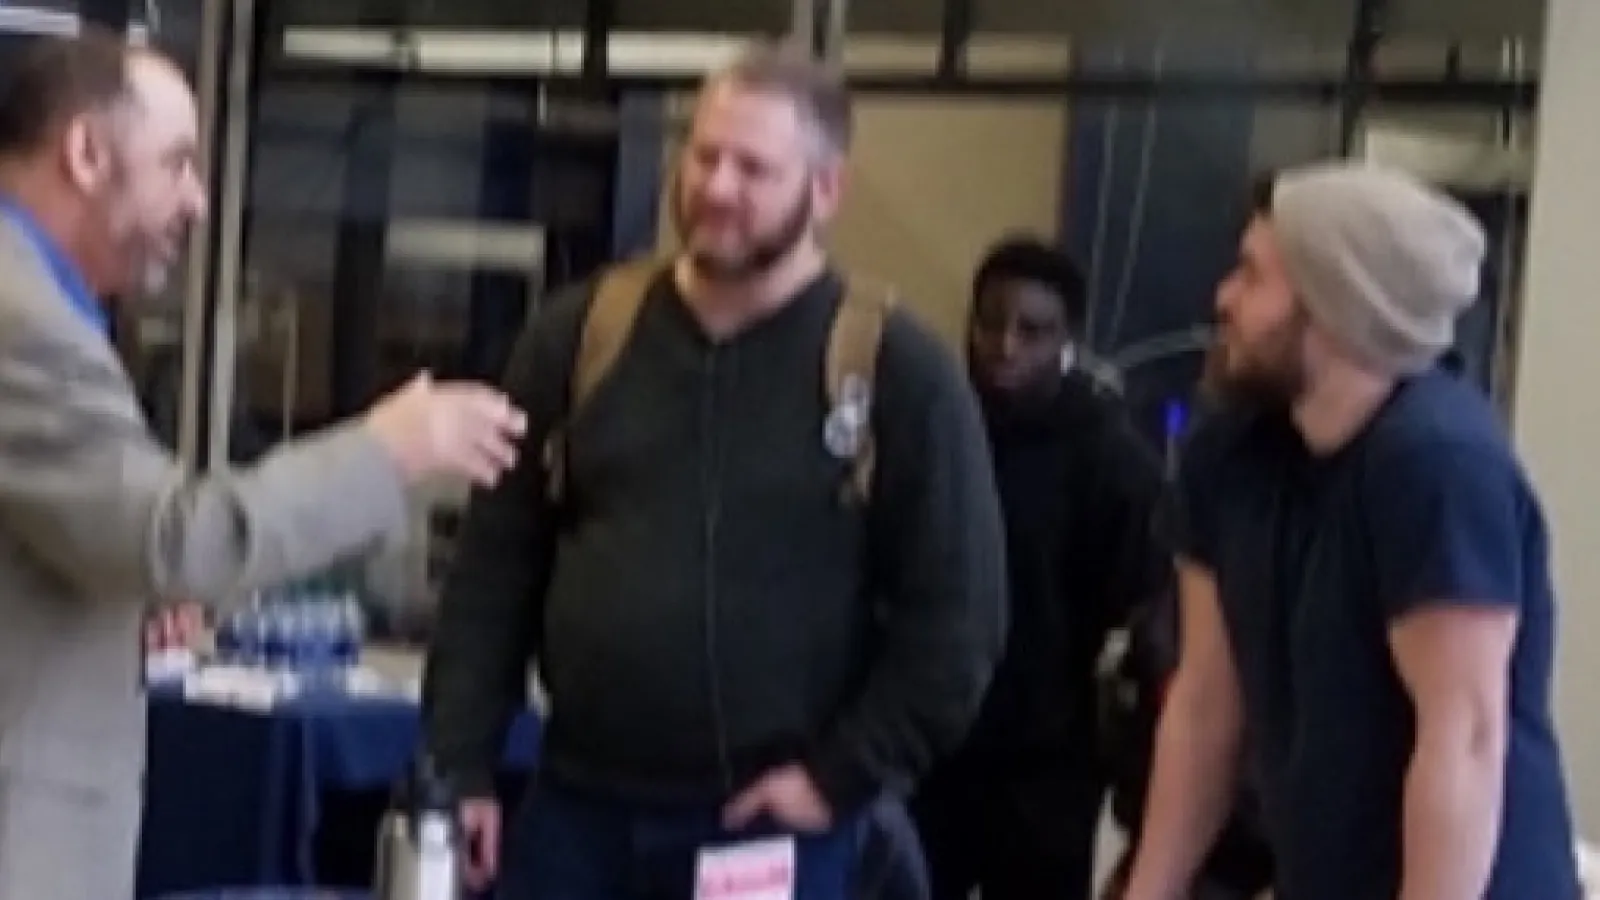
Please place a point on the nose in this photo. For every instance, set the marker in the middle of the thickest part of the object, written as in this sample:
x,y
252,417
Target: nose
x,y
721,181
1010,343
1224,298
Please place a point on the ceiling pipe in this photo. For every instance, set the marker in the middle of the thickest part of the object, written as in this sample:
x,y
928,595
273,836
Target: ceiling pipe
x,y
1367,33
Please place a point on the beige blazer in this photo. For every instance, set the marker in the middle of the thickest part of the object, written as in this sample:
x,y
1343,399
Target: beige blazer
x,y
97,521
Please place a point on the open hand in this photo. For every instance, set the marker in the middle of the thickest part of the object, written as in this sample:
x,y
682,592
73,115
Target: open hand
x,y
454,428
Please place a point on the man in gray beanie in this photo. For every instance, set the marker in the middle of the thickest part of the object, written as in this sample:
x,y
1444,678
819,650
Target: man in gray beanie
x,y
1364,574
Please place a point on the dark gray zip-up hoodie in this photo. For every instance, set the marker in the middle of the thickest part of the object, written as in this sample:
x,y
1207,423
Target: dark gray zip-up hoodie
x,y
704,605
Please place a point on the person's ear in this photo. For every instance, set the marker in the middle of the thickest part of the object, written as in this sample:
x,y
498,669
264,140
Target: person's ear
x,y
86,154
827,188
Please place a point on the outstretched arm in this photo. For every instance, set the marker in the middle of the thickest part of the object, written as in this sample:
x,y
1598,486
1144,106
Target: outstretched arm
x,y
87,488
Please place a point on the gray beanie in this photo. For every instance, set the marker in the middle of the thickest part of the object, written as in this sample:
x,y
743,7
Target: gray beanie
x,y
1383,263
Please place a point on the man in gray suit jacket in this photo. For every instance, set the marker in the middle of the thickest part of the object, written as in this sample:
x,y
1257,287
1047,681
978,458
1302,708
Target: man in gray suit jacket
x,y
98,184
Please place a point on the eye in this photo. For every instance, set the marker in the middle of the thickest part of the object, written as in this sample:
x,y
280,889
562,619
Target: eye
x,y
1032,331
179,161
755,169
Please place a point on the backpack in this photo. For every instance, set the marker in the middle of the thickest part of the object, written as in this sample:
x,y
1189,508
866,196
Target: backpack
x,y
849,368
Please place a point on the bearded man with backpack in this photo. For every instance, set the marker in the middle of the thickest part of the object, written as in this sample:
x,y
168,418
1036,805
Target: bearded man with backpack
x,y
753,544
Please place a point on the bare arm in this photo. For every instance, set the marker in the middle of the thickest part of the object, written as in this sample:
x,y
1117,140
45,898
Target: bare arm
x,y
1197,749
1448,524
1455,662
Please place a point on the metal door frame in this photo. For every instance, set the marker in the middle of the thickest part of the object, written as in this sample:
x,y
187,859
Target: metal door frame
x,y
223,85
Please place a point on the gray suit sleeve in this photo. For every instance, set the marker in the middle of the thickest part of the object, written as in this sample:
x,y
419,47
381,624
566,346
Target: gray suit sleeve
x,y
87,489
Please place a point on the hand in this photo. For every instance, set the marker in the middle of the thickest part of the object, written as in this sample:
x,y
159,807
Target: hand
x,y
173,627
453,428
788,795
480,823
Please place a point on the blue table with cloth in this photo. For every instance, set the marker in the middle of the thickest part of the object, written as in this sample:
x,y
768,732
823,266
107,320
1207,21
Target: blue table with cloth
x,y
235,797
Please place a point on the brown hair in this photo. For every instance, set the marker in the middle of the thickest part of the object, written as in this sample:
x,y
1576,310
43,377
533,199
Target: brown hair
x,y
817,89
53,79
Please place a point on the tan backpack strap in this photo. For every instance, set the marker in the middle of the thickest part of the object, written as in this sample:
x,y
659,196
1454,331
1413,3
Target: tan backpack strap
x,y
852,365
619,295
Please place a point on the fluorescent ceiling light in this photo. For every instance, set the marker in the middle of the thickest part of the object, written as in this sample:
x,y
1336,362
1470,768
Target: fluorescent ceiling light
x,y
48,22
646,53
23,20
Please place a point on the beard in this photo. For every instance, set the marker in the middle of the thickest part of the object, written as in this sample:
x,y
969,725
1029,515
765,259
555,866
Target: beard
x,y
142,268
1272,375
760,253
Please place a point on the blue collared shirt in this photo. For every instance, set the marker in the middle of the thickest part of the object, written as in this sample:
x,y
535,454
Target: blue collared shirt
x,y
67,277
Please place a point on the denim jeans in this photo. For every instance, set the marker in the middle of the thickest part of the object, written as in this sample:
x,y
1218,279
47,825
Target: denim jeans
x,y
567,844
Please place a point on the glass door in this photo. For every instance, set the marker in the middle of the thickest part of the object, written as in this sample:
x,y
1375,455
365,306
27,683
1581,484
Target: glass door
x,y
414,177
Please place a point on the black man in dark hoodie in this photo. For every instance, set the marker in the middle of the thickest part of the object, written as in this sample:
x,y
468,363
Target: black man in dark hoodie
x,y
1015,812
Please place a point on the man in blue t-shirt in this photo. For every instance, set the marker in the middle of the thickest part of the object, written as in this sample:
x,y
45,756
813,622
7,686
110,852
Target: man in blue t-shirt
x,y
1364,575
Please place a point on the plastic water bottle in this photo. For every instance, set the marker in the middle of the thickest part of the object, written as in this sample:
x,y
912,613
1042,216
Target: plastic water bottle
x,y
351,633
317,633
228,638
252,628
276,638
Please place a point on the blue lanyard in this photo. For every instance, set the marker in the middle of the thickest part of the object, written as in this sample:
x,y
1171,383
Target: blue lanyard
x,y
66,275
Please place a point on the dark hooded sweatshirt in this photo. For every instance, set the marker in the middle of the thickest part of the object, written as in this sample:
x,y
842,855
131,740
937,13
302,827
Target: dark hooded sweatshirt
x,y
704,606
1078,489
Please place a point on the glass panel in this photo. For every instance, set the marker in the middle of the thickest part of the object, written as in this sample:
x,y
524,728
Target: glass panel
x,y
151,332
406,221
441,206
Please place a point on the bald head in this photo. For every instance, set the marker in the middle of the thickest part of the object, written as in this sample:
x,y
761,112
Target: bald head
x,y
158,94
156,81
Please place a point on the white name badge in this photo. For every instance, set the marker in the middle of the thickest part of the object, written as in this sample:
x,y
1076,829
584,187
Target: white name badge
x,y
752,870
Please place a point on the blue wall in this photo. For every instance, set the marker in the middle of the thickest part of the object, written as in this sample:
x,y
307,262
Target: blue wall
x,y
1155,194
